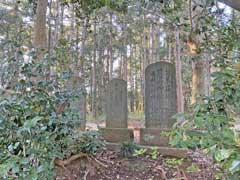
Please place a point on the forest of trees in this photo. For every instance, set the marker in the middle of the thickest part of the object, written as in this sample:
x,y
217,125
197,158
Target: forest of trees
x,y
102,40
59,54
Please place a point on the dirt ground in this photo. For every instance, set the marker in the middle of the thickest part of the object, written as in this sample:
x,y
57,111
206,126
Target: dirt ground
x,y
110,165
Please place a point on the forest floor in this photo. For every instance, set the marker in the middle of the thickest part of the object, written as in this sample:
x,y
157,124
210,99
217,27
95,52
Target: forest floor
x,y
111,165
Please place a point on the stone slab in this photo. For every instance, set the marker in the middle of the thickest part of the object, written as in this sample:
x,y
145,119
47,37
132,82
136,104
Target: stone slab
x,y
116,104
160,95
117,135
165,151
153,137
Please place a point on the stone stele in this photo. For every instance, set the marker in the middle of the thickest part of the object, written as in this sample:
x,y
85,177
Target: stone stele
x,y
117,112
160,103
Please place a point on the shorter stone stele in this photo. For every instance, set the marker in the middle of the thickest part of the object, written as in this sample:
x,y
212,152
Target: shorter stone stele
x,y
117,113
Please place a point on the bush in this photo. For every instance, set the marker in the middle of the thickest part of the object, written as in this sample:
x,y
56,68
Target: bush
x,y
89,142
211,126
32,132
128,148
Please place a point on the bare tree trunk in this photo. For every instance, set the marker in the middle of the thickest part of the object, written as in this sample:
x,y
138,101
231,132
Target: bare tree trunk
x,y
199,85
180,98
141,49
121,69
61,20
144,56
197,80
125,63
94,98
157,44
14,64
81,79
110,49
48,70
152,44
101,86
169,50
131,94
136,95
56,23
108,66
40,35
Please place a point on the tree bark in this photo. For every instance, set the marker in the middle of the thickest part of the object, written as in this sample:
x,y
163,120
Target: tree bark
x,y
125,63
151,43
199,68
180,98
78,79
40,35
110,49
197,80
94,98
131,94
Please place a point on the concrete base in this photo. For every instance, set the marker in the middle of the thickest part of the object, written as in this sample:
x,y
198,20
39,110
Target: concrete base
x,y
153,137
117,135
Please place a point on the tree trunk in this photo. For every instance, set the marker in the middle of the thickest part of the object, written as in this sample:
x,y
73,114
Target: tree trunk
x,y
125,63
199,68
61,20
144,56
94,98
136,95
151,43
56,23
101,86
110,49
40,35
48,69
197,80
131,94
180,98
80,79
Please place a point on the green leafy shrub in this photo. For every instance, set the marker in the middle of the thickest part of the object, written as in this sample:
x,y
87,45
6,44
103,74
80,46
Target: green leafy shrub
x,y
89,142
154,153
32,132
128,148
211,125
173,162
139,152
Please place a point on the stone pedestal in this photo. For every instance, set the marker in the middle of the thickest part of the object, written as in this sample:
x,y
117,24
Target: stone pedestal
x,y
117,135
160,103
153,137
117,113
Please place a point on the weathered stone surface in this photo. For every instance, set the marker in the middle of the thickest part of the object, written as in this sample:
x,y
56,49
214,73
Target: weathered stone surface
x,y
160,95
116,104
160,103
117,113
117,135
153,137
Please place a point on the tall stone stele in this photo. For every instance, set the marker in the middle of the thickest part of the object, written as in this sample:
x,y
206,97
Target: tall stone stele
x,y
117,112
160,103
